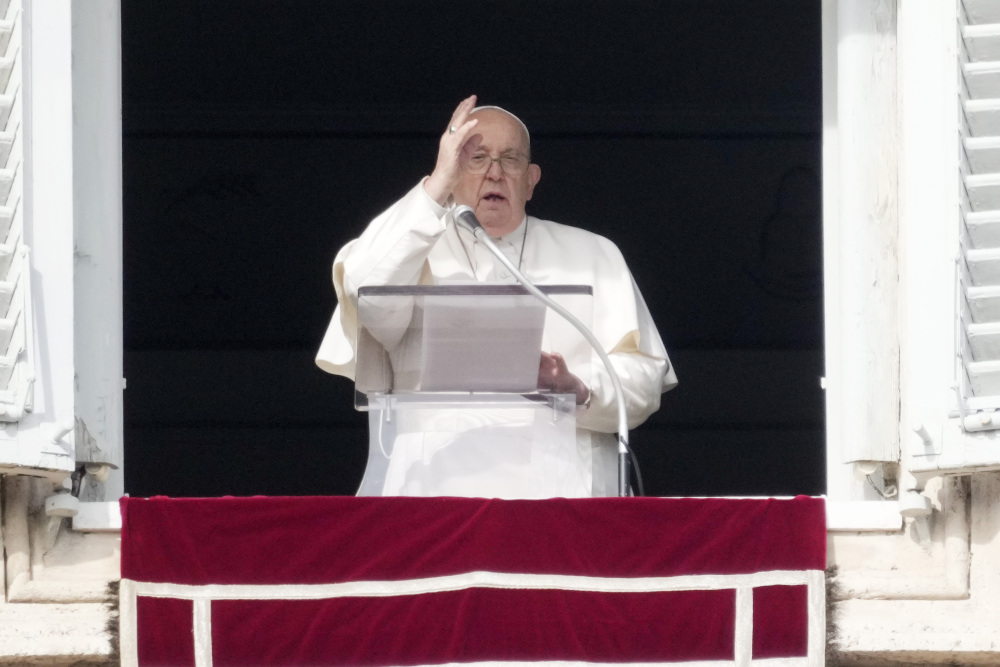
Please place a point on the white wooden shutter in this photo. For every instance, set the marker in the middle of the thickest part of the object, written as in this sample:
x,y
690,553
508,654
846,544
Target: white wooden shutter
x,y
979,264
36,210
16,372
962,100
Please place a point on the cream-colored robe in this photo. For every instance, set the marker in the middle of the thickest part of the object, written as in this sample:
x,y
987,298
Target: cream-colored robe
x,y
416,242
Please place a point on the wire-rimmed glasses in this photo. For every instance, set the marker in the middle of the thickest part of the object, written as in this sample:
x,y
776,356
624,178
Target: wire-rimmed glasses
x,y
512,164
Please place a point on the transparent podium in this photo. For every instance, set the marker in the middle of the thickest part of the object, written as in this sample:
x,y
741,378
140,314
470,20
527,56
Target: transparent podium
x,y
449,377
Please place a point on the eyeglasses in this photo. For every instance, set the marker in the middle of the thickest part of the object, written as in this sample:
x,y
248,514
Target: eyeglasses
x,y
512,164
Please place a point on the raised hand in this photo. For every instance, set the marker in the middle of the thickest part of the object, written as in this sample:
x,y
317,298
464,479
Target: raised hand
x,y
454,149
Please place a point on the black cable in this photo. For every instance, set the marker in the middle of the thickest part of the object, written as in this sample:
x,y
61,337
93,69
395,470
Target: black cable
x,y
635,465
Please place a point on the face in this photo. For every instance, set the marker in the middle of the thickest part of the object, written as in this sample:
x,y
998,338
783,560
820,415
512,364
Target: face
x,y
497,197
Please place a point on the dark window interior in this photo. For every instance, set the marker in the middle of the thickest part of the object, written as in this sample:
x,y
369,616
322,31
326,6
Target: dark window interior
x,y
260,136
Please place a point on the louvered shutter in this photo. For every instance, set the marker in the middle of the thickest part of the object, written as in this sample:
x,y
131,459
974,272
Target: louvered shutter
x,y
15,323
951,242
979,266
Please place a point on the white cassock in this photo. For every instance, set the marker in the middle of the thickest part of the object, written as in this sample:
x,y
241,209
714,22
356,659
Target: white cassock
x,y
416,242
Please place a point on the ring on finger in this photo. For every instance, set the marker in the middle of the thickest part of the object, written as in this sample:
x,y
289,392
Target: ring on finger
x,y
452,130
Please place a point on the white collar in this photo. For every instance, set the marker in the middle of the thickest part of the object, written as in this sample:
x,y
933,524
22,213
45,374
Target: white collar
x,y
512,243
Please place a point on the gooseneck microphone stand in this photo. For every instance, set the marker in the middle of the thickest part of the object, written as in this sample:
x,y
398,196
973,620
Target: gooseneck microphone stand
x,y
465,216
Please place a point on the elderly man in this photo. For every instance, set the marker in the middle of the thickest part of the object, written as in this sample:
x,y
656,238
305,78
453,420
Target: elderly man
x,y
484,161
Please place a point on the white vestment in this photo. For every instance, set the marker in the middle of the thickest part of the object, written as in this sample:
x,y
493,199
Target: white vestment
x,y
416,242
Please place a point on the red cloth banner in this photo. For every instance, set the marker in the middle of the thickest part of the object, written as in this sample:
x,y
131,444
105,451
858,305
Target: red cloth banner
x,y
430,581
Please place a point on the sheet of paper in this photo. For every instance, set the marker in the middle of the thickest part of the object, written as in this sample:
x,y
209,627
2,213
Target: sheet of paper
x,y
481,343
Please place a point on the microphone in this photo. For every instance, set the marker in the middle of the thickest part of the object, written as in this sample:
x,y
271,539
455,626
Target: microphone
x,y
466,217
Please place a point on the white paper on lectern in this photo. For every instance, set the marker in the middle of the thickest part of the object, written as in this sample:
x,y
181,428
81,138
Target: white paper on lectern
x,y
472,343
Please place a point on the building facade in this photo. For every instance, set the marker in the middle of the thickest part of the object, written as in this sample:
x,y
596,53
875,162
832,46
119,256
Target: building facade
x,y
911,160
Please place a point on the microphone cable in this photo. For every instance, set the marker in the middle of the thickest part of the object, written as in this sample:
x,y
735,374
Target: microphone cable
x,y
634,460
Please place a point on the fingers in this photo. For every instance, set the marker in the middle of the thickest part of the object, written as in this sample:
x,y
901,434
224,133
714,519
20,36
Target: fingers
x,y
552,369
554,365
554,375
545,369
460,136
461,113
460,126
448,169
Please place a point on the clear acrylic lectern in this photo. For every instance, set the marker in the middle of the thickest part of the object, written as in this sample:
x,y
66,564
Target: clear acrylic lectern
x,y
448,375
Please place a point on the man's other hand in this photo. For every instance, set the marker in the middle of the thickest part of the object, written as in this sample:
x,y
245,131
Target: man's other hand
x,y
555,376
